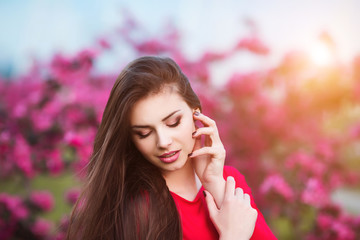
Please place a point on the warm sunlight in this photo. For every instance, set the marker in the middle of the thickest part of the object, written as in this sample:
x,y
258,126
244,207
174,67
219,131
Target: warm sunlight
x,y
321,54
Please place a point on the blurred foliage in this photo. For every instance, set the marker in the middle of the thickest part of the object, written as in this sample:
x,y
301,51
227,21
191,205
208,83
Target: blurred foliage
x,y
292,130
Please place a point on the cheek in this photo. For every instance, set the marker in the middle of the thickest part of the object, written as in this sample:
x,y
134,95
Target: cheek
x,y
187,129
144,146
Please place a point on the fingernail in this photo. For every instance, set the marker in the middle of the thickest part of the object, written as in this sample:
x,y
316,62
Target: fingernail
x,y
189,155
204,193
196,113
230,178
194,133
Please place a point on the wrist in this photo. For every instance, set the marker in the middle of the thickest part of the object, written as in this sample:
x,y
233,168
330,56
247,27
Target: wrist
x,y
217,189
213,181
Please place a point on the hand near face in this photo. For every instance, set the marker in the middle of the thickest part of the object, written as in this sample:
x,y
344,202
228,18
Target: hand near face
x,y
235,219
208,160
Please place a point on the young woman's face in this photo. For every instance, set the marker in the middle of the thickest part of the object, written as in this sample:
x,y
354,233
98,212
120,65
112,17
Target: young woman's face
x,y
162,125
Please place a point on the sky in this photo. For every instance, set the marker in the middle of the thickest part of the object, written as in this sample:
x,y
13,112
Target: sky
x,y
39,28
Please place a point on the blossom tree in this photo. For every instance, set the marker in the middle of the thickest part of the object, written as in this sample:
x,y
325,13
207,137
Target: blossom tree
x,y
287,129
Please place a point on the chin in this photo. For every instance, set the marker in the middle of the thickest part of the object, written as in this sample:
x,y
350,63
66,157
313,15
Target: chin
x,y
177,165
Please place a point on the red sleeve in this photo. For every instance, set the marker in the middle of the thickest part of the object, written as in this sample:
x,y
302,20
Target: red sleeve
x,y
262,230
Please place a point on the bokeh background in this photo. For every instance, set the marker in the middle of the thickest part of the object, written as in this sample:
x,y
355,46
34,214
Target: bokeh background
x,y
281,78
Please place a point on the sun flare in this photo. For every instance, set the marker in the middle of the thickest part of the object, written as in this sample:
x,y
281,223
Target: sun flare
x,y
321,54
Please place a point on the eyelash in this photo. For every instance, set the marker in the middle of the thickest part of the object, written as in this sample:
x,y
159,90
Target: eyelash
x,y
142,136
176,123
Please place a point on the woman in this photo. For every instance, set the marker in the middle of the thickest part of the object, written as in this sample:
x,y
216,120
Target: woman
x,y
151,176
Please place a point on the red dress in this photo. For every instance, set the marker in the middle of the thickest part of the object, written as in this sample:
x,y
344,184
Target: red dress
x,y
195,220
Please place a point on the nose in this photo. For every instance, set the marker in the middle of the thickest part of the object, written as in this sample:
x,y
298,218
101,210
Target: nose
x,y
164,139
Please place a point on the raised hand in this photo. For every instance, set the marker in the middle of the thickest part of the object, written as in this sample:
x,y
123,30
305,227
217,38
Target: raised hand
x,y
235,219
208,159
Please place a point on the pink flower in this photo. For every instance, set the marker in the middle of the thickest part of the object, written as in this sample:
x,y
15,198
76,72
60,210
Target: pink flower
x,y
54,162
42,199
306,162
20,110
343,231
254,45
15,205
324,221
72,195
325,150
41,227
104,43
60,236
277,184
22,157
73,69
355,130
73,139
241,86
152,46
314,193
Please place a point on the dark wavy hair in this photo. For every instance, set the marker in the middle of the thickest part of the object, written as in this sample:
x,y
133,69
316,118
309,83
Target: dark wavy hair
x,y
125,196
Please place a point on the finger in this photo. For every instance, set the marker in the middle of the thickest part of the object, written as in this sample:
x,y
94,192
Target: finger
x,y
197,144
212,133
247,198
239,192
215,152
203,131
229,187
210,202
205,119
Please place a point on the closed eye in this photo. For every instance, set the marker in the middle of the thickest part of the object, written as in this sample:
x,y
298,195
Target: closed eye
x,y
142,135
177,122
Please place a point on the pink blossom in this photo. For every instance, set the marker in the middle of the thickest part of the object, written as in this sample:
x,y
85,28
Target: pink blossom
x,y
15,205
41,227
306,162
277,184
73,139
325,150
152,46
73,69
104,43
212,56
84,155
314,193
72,195
42,121
42,199
274,119
20,110
54,162
22,157
45,117
60,236
254,45
355,130
242,85
324,221
343,231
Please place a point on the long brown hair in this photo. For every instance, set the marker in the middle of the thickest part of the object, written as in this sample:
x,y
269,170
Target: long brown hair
x,y
125,196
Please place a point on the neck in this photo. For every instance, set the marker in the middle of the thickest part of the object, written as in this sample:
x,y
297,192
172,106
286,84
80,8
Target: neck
x,y
182,181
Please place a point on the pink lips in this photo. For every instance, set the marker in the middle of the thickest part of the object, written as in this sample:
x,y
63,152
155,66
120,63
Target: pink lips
x,y
170,156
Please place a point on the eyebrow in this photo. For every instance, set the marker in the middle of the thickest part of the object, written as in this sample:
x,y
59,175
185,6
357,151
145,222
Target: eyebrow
x,y
164,119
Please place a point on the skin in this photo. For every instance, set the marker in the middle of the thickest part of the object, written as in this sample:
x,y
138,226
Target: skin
x,y
236,209
159,128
